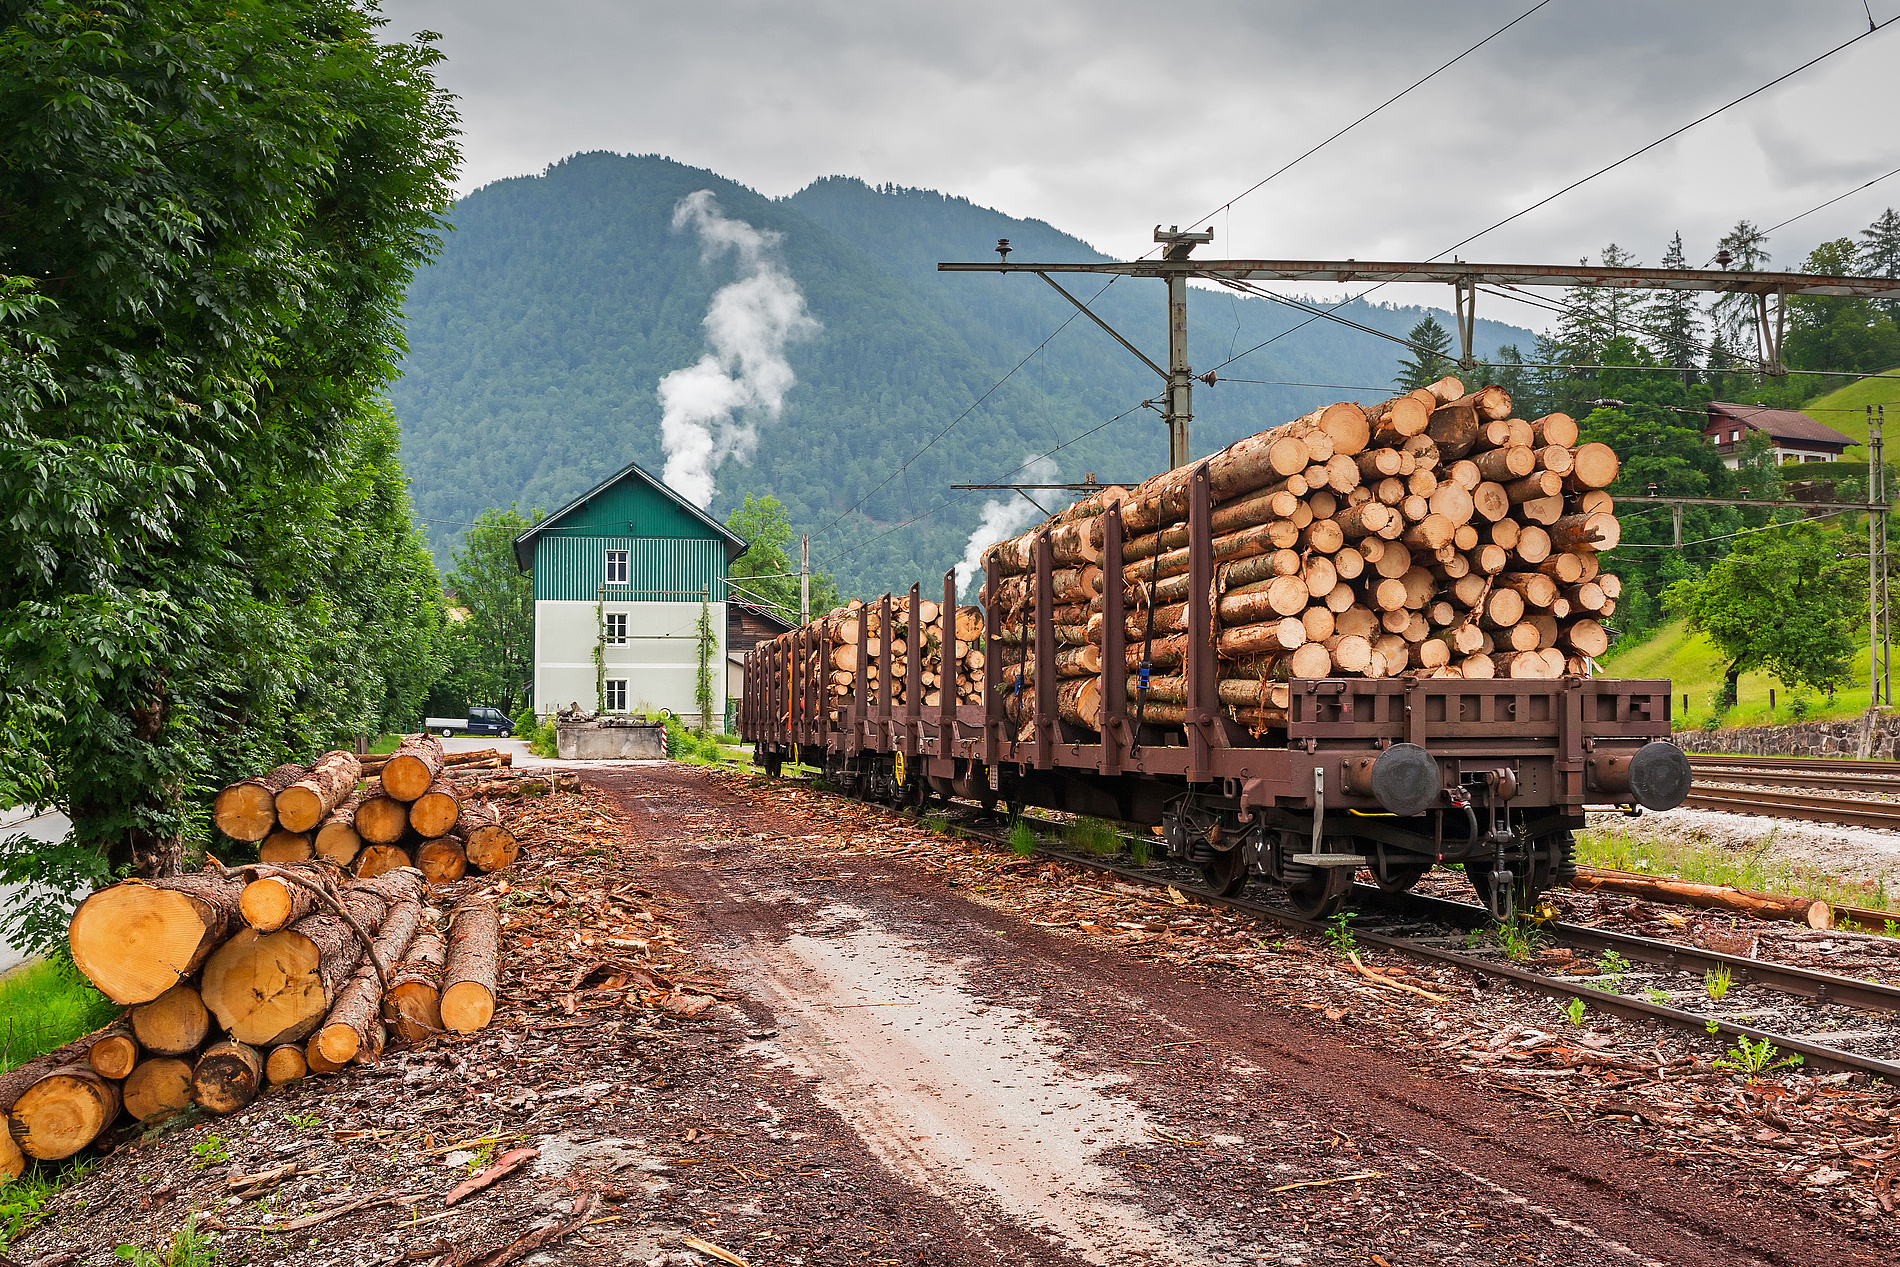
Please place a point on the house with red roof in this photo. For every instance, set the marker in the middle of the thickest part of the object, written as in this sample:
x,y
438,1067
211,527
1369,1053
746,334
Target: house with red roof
x,y
1796,437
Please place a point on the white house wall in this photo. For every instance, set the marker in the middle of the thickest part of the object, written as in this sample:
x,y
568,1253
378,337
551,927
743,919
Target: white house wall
x,y
659,660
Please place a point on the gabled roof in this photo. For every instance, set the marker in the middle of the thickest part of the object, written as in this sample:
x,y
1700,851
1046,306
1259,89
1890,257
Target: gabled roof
x,y
1779,424
524,544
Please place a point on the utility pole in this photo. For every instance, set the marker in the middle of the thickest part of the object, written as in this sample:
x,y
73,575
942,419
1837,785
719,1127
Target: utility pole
x,y
1180,401
804,579
1879,627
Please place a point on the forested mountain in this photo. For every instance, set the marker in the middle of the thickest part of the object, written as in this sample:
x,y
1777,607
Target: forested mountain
x,y
538,338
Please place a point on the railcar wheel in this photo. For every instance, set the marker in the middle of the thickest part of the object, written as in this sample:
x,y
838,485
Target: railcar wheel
x,y
1226,871
1399,878
1320,894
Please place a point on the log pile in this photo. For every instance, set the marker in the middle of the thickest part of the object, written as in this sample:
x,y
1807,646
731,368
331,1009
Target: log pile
x,y
840,636
242,978
1433,534
412,811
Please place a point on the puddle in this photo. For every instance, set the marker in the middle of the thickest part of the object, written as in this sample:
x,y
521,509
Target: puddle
x,y
955,1093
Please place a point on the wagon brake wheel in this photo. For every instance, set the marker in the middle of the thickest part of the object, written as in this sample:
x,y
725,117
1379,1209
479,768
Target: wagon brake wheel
x,y
1226,871
1322,893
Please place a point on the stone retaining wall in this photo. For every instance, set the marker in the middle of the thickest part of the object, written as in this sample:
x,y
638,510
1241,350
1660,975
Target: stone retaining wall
x,y
1803,739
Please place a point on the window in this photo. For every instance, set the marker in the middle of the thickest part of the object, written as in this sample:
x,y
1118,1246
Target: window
x,y
617,628
1733,436
616,567
616,695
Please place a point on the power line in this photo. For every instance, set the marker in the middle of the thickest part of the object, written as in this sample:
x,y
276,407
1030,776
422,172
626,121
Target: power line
x,y
1830,202
1670,545
1375,110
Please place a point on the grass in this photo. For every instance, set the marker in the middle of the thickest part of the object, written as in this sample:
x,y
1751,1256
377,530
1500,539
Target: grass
x,y
385,744
188,1247
1845,410
1694,668
1022,838
1738,868
45,1004
23,1201
1091,836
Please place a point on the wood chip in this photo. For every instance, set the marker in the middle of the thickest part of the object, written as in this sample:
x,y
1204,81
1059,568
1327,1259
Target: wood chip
x,y
506,1164
707,1247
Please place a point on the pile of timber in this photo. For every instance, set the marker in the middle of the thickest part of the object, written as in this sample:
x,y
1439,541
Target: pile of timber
x,y
236,979
411,811
1433,534
847,632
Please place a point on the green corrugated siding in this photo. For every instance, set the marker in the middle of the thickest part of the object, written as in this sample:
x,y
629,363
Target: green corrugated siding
x,y
659,569
632,508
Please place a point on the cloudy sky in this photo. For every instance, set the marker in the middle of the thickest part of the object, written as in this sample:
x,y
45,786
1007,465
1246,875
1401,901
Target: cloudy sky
x,y
1104,118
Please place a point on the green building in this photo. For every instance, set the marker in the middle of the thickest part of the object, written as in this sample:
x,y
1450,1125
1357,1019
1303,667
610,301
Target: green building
x,y
620,575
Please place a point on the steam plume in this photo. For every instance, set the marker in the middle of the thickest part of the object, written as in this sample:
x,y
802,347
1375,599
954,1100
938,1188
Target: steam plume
x,y
711,409
1003,519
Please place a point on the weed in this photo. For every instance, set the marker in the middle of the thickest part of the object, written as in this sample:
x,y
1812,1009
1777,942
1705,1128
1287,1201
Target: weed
x,y
1474,939
936,823
1022,839
1658,997
1755,1059
211,1150
188,1248
1613,966
303,1121
484,1153
1092,836
1138,850
1891,929
1517,939
23,1200
1339,936
1717,981
1573,1011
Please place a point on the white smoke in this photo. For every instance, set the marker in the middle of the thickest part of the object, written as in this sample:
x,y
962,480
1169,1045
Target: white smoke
x,y
710,410
1004,519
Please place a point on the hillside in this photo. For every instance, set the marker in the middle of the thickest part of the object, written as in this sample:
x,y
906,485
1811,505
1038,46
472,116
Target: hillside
x,y
1845,410
538,338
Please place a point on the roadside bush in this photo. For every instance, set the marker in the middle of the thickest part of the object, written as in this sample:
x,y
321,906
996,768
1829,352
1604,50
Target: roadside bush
x,y
688,745
541,739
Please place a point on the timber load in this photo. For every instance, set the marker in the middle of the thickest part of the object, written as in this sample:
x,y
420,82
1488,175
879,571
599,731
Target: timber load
x,y
242,978
1432,535
371,815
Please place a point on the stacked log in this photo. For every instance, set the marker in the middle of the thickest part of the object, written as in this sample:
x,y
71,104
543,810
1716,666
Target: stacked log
x,y
219,1007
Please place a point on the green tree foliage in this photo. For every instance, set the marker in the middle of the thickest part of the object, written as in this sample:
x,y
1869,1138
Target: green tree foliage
x,y
1879,255
769,565
1673,322
706,643
210,214
1430,357
490,637
1838,332
1784,602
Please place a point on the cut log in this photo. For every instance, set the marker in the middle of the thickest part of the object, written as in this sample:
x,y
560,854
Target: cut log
x,y
114,1052
227,1077
468,974
1554,429
1533,545
1599,532
1535,486
62,1112
15,1082
443,861
270,903
345,1033
1453,429
380,819
314,1060
285,1063
172,1024
381,860
412,767
412,1004
1586,637
1594,466
247,809
490,846
139,938
302,805
1714,897
336,840
1393,420
282,847
434,812
158,1086
1507,464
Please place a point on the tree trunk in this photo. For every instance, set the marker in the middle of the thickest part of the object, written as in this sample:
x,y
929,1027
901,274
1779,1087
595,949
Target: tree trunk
x,y
158,1086
247,809
345,1033
227,1077
62,1112
434,812
302,805
139,938
1714,897
412,1004
468,975
412,767
172,1024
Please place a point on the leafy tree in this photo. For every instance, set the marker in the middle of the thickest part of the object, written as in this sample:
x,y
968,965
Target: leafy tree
x,y
209,214
1879,255
1838,332
1674,319
491,617
1430,359
1783,601
767,568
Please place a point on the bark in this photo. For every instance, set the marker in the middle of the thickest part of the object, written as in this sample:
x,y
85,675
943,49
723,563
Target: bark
x,y
247,809
139,938
114,1050
412,1004
172,1024
227,1077
345,1034
1599,532
62,1112
1453,428
302,805
158,1086
468,974
412,767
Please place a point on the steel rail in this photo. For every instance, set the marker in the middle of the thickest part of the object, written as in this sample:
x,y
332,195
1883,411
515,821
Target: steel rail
x,y
1845,765
1813,809
1797,778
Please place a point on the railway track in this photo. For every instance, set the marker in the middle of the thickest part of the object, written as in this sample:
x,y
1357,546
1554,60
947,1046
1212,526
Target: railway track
x,y
1820,988
1839,810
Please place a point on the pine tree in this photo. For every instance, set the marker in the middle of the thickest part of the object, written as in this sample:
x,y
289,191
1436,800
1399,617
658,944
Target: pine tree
x,y
1584,327
1747,246
1624,311
1879,255
1674,322
1431,356
1509,372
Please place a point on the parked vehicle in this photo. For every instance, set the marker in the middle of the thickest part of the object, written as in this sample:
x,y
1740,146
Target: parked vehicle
x,y
480,721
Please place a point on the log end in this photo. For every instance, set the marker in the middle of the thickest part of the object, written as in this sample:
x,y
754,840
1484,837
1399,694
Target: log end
x,y
267,904
115,1056
227,1077
467,1006
63,1112
133,941
285,1063
265,988
245,811
158,1086
299,808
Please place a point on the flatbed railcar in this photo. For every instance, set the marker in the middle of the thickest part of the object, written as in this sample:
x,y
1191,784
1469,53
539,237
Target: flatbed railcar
x,y
1396,775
